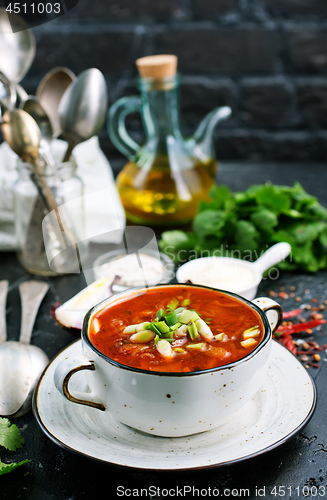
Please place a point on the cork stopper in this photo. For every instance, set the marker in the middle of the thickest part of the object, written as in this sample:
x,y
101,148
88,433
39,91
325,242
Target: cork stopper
x,y
158,66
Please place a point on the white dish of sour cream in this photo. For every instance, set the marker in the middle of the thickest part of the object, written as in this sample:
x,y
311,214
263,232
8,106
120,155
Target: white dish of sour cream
x,y
233,275
144,268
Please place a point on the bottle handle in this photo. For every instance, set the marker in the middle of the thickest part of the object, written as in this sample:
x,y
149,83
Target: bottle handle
x,y
117,128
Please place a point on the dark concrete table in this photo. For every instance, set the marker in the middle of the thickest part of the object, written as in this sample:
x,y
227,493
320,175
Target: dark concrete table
x,y
57,474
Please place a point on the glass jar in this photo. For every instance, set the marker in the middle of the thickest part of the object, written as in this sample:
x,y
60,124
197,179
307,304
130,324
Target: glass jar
x,y
50,241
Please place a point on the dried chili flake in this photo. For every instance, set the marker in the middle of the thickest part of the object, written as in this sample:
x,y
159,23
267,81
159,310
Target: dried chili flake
x,y
316,316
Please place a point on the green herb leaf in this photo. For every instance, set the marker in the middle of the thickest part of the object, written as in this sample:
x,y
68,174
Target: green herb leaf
x,y
208,223
9,435
264,219
245,224
6,468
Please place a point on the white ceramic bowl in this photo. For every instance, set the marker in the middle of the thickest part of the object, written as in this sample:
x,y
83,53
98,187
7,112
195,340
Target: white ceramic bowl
x,y
169,404
233,270
144,277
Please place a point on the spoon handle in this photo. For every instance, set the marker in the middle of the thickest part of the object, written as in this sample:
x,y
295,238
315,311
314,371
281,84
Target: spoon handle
x,y
69,151
31,295
272,256
3,299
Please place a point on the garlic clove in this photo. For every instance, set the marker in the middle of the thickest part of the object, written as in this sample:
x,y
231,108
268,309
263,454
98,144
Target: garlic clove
x,y
71,314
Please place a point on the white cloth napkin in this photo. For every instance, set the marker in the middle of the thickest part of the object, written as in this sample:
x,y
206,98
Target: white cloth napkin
x,y
105,217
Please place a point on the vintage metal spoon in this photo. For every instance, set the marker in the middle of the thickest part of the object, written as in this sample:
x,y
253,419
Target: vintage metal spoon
x,y
7,93
50,91
21,364
17,47
83,108
23,135
33,107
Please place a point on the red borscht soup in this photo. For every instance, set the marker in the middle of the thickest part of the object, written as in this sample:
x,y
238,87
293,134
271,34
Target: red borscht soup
x,y
176,329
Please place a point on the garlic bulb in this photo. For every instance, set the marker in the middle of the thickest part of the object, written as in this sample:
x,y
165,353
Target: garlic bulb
x,y
71,314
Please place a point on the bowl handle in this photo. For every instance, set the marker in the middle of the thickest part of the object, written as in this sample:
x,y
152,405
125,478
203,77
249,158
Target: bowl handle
x,y
65,370
273,311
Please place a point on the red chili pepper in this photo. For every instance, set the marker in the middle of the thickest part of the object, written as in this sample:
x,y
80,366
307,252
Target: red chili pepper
x,y
286,340
300,327
292,314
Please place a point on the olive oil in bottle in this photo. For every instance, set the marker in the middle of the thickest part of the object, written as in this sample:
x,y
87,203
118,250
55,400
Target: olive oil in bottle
x,y
167,177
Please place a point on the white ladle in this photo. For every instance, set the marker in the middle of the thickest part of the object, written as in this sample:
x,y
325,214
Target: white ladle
x,y
21,364
197,271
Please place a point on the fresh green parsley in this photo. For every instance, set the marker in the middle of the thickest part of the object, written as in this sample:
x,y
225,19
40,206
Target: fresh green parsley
x,y
10,439
245,224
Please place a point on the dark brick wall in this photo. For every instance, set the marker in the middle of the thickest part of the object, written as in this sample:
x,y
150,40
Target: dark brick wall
x,y
267,59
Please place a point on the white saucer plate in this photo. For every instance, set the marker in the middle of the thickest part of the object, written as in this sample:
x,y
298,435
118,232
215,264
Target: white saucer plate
x,y
276,413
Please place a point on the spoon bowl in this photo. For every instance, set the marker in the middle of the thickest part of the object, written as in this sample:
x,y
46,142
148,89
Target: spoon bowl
x,y
83,108
22,134
21,364
17,46
33,107
50,91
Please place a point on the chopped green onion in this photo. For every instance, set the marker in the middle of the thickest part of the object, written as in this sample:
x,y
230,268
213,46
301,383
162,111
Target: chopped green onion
x,y
251,329
204,329
162,327
187,316
179,350
169,335
186,302
219,336
160,314
142,337
156,338
176,326
173,304
192,330
179,310
152,326
208,320
195,347
164,348
171,318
